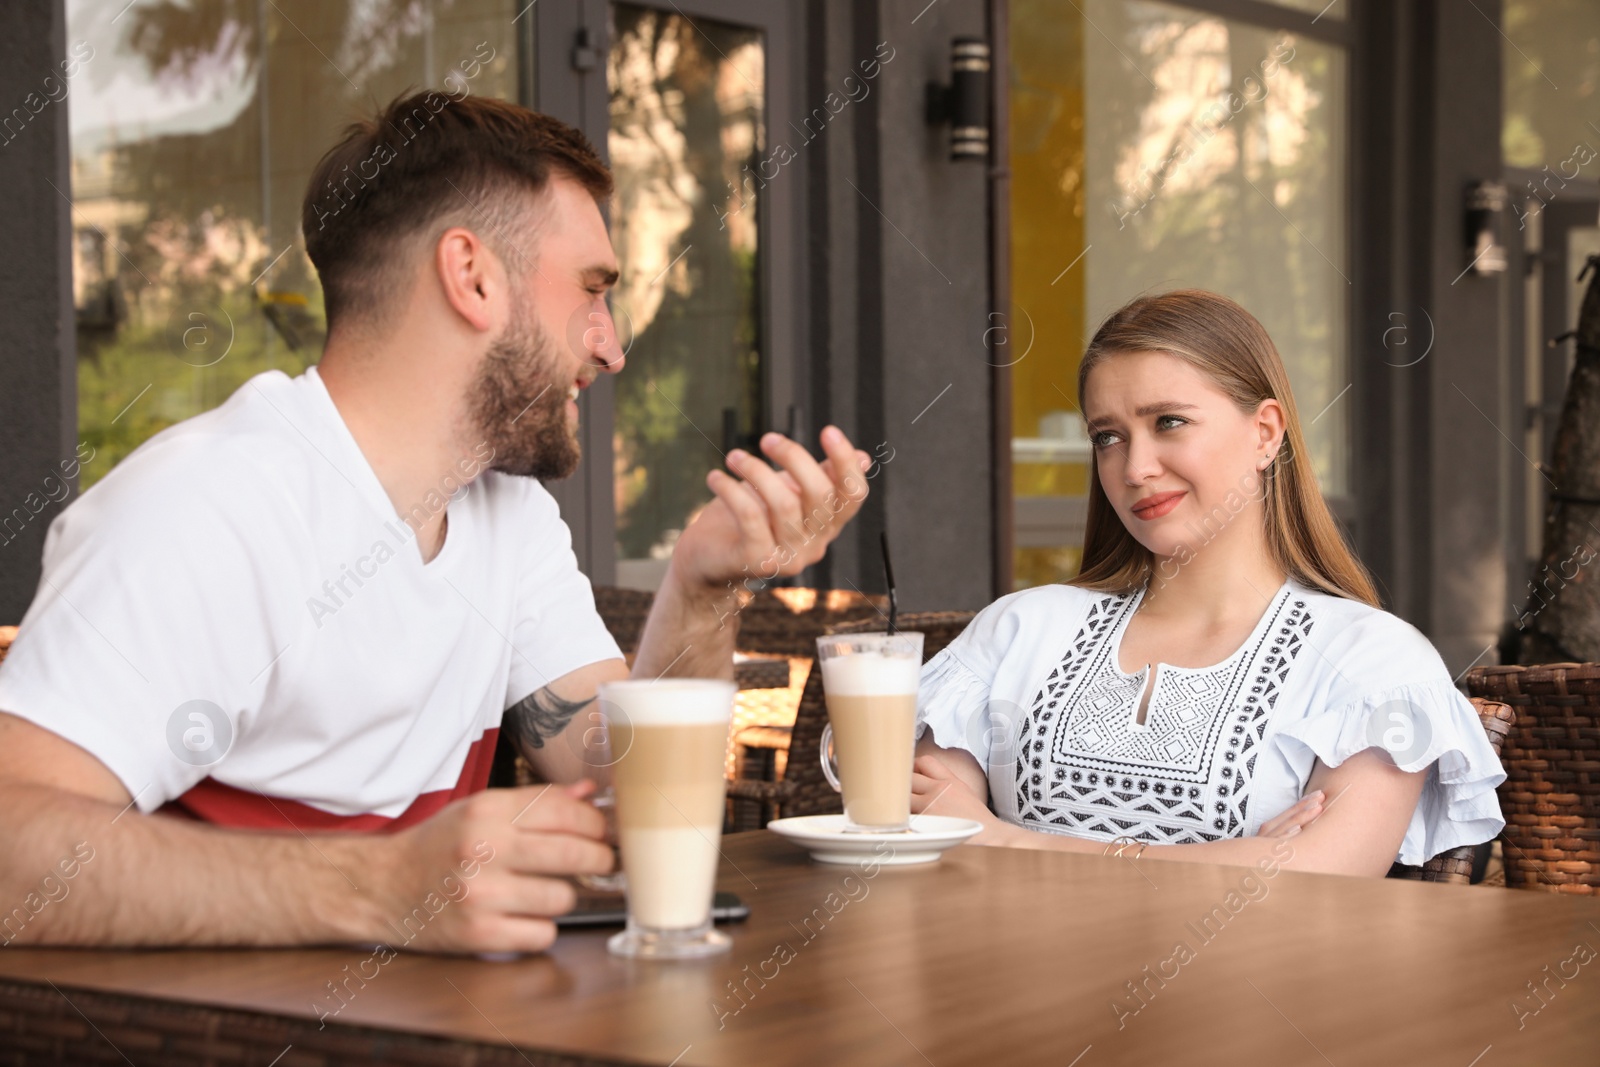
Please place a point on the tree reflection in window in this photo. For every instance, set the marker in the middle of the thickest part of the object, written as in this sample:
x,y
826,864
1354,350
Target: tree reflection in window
x,y
687,119
195,127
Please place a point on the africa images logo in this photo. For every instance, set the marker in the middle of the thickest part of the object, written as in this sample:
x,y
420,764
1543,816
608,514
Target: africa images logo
x,y
1401,728
199,733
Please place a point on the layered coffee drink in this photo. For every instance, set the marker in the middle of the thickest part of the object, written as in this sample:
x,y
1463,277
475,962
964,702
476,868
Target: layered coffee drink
x,y
669,737
870,684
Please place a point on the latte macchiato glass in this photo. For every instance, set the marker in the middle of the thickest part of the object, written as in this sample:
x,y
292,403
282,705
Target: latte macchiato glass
x,y
870,683
669,738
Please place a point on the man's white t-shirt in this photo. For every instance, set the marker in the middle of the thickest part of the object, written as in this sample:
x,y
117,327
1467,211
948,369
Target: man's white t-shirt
x,y
236,621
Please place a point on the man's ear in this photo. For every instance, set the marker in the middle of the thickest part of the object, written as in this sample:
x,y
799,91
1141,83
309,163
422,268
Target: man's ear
x,y
471,277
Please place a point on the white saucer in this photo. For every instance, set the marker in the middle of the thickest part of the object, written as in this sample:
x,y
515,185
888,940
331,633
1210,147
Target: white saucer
x,y
824,837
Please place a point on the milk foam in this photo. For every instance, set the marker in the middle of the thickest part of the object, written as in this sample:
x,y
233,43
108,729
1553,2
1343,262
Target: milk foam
x,y
867,674
670,701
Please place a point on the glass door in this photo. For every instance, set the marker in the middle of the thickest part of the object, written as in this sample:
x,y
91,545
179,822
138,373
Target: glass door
x,y
687,133
680,98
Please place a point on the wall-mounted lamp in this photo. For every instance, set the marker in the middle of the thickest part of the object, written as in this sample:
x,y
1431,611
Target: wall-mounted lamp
x,y
964,103
1484,203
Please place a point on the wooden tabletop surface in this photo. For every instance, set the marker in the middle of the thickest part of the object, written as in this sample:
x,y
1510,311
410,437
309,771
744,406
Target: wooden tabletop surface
x,y
990,956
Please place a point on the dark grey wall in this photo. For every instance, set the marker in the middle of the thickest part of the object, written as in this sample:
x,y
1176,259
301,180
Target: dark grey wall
x,y
38,380
1474,419
901,247
1434,459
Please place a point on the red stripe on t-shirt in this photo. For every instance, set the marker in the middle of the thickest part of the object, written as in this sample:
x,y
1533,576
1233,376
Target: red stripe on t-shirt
x,y
240,809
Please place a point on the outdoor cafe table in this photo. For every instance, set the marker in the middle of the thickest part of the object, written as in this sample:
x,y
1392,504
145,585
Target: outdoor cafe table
x,y
990,956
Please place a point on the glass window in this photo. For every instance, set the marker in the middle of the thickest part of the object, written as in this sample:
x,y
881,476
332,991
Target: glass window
x,y
195,128
1155,147
687,136
1323,9
1552,89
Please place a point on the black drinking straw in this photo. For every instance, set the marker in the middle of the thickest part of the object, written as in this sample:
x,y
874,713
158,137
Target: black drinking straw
x,y
888,575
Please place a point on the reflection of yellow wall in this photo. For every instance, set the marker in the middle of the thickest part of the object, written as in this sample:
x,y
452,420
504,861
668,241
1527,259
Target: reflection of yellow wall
x,y
1047,225
1043,566
1050,479
1047,235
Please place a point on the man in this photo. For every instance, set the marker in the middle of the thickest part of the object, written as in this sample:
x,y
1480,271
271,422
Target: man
x,y
308,610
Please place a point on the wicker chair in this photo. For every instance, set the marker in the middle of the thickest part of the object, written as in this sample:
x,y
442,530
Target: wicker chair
x,y
624,612
787,621
1455,866
777,621
801,789
1551,795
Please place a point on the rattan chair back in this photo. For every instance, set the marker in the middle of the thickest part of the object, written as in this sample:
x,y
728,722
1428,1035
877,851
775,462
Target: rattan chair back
x,y
624,612
781,621
786,621
1551,795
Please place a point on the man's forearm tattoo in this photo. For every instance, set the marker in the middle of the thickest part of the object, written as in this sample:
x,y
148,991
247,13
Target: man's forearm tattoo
x,y
541,715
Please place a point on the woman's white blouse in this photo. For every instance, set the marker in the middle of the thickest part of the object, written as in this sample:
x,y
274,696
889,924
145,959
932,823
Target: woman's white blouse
x,y
1032,688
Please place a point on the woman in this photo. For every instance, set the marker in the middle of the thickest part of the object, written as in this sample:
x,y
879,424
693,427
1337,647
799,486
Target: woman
x,y
1219,660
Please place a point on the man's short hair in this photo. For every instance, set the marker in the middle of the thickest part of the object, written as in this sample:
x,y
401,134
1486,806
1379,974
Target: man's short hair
x,y
429,161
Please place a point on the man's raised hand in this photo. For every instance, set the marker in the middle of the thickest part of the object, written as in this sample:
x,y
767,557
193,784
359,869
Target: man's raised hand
x,y
768,523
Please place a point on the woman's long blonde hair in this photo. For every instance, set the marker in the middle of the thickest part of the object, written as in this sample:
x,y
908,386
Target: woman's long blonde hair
x,y
1225,343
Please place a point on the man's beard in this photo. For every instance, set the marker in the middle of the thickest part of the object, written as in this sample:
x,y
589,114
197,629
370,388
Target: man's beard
x,y
520,409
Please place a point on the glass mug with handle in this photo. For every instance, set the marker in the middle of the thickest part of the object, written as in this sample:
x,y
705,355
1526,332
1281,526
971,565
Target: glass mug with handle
x,y
870,684
589,739
669,738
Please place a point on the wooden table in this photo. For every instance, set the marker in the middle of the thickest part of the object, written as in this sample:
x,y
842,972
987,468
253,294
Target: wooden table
x,y
992,956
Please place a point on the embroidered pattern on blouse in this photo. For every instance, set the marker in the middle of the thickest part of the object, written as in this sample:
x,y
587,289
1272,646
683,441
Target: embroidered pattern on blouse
x,y
1182,777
